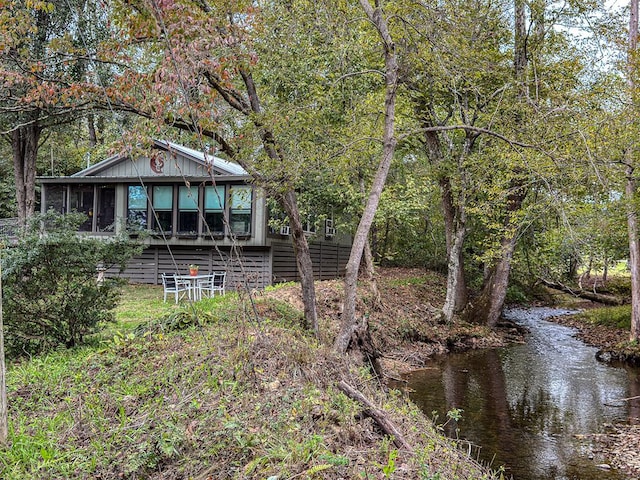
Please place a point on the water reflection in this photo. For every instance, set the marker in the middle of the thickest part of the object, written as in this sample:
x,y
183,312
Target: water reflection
x,y
530,405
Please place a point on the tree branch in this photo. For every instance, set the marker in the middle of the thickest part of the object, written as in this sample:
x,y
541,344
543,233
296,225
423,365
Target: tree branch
x,y
467,128
231,96
379,416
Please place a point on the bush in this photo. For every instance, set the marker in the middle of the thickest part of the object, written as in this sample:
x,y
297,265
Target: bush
x,y
50,293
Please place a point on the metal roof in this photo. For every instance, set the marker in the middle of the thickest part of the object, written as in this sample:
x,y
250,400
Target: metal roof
x,y
225,167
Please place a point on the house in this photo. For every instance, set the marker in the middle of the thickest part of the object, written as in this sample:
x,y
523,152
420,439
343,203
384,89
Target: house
x,y
194,209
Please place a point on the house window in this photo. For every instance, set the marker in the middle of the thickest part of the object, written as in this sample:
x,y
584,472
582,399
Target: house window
x,y
163,207
136,208
240,209
106,207
214,203
55,198
81,201
309,225
187,210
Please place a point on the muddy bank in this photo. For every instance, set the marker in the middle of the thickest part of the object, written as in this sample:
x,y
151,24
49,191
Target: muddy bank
x,y
405,323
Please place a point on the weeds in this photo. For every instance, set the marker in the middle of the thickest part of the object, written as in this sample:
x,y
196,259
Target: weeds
x,y
160,398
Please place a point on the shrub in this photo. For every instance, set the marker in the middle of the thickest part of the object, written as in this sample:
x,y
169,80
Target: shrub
x,y
50,293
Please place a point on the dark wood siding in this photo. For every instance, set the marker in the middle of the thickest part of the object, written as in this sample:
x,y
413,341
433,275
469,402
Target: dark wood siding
x,y
250,266
329,261
258,267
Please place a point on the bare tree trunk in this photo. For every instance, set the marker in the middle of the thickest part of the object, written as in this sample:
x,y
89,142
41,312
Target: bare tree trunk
x,y
349,323
380,417
455,274
367,268
455,231
634,253
24,145
91,127
4,422
454,227
303,260
487,308
632,215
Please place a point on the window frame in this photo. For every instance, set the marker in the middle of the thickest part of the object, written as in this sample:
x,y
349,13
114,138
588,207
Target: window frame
x,y
195,210
154,227
99,209
77,196
144,226
233,211
221,197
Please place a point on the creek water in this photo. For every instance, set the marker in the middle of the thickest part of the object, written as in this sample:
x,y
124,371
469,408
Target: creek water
x,y
531,407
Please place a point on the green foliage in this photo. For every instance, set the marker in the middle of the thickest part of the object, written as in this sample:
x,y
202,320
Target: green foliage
x,y
7,187
516,293
619,317
619,285
390,467
455,414
51,296
185,316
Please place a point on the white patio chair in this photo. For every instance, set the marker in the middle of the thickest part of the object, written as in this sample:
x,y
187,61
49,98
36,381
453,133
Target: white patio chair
x,y
178,288
216,282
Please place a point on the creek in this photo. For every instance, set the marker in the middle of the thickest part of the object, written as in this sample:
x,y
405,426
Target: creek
x,y
531,407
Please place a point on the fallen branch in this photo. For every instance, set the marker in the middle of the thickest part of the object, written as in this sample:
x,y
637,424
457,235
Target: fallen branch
x,y
379,416
628,398
596,297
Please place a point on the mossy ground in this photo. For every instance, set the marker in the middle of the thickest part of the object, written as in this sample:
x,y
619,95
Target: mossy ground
x,y
230,388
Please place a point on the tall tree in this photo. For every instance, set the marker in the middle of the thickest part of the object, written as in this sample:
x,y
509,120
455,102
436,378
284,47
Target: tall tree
x,y
349,322
488,306
4,410
631,185
458,76
41,67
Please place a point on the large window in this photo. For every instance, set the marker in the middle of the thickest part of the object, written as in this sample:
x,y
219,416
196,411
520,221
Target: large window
x,y
163,207
81,200
106,208
171,209
214,203
136,208
240,209
55,198
187,210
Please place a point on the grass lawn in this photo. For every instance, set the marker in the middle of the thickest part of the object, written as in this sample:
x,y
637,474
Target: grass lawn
x,y
142,303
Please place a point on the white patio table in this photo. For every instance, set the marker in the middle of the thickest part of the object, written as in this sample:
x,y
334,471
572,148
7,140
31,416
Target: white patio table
x,y
193,284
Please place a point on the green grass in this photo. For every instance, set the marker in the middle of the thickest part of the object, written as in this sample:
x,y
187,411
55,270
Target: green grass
x,y
141,303
408,282
619,317
230,398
